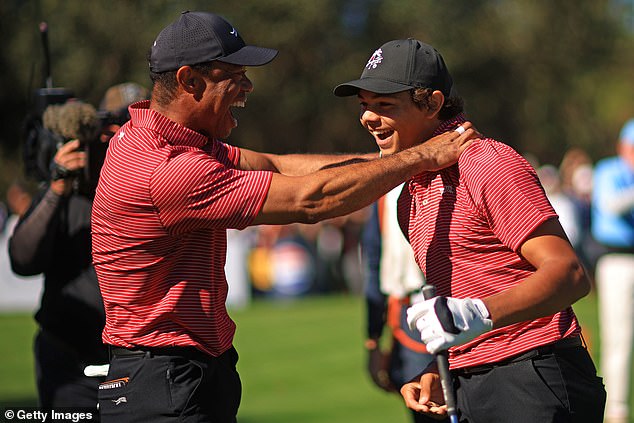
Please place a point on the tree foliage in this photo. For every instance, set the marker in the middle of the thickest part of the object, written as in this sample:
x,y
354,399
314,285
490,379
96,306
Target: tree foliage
x,y
540,76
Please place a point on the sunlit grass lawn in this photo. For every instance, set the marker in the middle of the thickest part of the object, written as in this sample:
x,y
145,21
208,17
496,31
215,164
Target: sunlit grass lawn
x,y
304,361
300,361
17,380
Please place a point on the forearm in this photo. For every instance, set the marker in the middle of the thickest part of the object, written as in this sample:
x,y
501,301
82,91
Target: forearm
x,y
358,185
298,164
337,191
31,244
558,281
552,288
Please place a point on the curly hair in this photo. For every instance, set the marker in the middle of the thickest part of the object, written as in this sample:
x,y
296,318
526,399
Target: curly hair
x,y
452,107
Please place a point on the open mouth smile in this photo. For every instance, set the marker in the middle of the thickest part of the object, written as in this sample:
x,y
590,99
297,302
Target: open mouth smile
x,y
236,104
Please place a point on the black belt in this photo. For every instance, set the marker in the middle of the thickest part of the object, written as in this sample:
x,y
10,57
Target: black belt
x,y
562,344
187,352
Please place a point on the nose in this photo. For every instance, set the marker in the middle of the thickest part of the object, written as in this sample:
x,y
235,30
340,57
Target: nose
x,y
246,84
368,116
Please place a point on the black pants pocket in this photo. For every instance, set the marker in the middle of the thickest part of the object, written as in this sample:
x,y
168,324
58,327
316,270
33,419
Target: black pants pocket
x,y
145,388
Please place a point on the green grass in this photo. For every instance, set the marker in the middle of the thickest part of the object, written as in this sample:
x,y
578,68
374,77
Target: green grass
x,y
586,311
304,361
17,380
300,360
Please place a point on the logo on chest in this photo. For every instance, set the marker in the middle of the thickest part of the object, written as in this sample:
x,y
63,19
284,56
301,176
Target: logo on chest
x,y
449,189
435,195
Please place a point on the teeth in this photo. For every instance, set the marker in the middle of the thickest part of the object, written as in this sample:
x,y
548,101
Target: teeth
x,y
238,103
381,132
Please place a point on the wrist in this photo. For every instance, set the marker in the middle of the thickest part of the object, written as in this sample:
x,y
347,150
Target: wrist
x,y
58,187
371,344
482,308
62,187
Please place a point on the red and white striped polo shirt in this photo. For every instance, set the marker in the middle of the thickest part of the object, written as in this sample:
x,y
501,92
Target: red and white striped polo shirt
x,y
165,198
466,224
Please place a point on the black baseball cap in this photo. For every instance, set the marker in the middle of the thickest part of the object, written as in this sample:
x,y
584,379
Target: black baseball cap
x,y
401,65
200,37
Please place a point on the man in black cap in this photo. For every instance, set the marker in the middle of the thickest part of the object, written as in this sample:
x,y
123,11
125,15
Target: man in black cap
x,y
169,190
486,237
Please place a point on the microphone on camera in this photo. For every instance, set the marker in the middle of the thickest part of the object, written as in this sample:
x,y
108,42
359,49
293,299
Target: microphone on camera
x,y
72,120
78,120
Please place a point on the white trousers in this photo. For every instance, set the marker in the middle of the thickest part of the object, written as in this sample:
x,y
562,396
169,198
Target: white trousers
x,y
615,284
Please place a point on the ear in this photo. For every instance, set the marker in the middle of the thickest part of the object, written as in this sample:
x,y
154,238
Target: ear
x,y
436,101
188,79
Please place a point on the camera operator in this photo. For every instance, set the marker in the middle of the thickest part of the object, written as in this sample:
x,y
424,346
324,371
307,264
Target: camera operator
x,y
54,238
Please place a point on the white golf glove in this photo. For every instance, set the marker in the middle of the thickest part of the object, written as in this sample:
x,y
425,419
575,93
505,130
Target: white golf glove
x,y
445,321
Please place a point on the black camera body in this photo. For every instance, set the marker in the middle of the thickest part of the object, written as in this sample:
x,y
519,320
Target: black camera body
x,y
39,144
57,124
118,117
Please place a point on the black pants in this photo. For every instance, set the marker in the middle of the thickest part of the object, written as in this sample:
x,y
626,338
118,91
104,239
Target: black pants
x,y
557,385
60,376
169,385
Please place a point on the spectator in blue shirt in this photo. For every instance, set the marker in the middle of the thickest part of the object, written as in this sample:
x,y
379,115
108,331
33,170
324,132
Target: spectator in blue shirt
x,y
613,228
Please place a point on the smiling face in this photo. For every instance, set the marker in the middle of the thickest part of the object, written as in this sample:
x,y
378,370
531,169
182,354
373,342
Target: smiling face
x,y
395,121
223,87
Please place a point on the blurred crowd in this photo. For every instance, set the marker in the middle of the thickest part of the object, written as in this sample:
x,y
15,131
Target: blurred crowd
x,y
295,260
568,186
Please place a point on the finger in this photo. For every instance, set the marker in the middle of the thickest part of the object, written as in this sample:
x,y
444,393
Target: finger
x,y
469,125
409,393
428,335
72,163
416,312
435,345
433,410
74,160
70,146
424,397
466,139
437,413
66,151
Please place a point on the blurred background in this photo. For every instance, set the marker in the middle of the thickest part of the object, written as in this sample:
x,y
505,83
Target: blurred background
x,y
552,79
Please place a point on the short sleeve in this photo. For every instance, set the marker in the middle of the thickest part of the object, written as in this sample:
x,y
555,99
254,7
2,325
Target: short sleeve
x,y
506,190
195,189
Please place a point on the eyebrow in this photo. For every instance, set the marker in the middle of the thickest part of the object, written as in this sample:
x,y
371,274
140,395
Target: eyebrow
x,y
373,96
229,67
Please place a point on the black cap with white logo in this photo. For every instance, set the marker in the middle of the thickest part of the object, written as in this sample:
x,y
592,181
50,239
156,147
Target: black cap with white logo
x,y
200,37
401,65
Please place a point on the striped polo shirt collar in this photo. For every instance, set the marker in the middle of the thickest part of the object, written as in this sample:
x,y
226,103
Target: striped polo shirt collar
x,y
445,125
449,124
141,116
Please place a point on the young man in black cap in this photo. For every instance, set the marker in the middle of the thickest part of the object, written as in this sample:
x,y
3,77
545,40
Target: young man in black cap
x,y
486,237
170,188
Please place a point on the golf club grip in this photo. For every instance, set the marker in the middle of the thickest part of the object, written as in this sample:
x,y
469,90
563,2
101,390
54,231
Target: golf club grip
x,y
442,361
